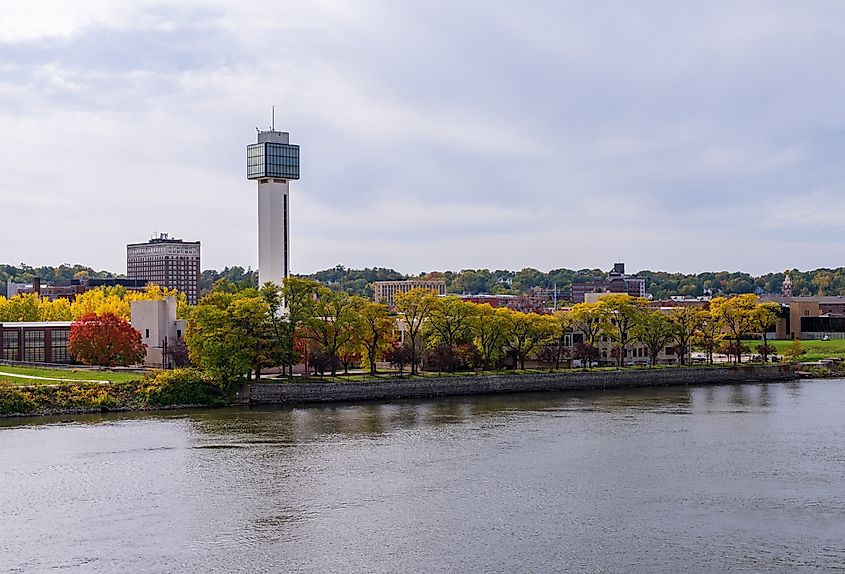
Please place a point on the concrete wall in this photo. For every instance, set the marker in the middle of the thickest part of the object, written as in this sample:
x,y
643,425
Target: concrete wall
x,y
288,393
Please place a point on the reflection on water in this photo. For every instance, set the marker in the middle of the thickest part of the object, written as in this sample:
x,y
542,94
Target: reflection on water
x,y
704,479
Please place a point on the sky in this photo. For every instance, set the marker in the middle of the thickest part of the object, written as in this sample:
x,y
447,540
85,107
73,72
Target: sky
x,y
679,136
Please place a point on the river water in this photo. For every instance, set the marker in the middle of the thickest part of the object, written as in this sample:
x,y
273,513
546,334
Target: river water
x,y
700,479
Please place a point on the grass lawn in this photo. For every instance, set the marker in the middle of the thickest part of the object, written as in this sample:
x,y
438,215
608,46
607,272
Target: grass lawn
x,y
73,374
815,349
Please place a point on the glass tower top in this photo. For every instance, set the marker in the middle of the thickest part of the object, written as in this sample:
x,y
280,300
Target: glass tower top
x,y
270,159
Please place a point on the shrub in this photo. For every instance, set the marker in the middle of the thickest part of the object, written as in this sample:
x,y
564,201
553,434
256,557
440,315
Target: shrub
x,y
15,400
178,387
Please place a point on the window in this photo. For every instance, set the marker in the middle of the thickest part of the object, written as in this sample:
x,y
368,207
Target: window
x,y
146,333
10,345
34,346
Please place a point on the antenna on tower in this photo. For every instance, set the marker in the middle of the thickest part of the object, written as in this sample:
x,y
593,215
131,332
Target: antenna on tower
x,y
273,118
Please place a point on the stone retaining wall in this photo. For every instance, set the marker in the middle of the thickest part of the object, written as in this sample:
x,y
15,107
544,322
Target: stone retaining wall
x,y
291,393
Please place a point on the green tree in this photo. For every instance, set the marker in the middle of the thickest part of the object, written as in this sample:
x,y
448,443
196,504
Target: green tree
x,y
374,331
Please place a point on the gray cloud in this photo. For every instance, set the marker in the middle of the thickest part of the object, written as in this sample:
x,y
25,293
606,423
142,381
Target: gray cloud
x,y
465,134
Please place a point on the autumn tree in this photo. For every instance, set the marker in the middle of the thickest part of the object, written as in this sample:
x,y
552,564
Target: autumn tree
x,y
654,330
587,319
486,326
333,324
374,328
415,306
621,314
709,335
525,332
738,316
687,322
448,324
105,340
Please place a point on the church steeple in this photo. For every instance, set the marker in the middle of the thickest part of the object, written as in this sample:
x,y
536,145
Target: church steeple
x,y
787,285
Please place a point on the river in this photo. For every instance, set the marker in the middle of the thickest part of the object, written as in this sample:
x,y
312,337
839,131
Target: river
x,y
689,479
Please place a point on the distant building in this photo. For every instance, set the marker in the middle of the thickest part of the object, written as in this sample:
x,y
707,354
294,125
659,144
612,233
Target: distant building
x,y
487,299
159,328
615,282
35,342
167,262
385,291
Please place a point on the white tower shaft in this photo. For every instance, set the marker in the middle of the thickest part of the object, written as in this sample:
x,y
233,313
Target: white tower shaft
x,y
273,231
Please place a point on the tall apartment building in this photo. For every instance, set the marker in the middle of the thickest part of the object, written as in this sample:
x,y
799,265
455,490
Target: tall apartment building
x,y
167,262
385,291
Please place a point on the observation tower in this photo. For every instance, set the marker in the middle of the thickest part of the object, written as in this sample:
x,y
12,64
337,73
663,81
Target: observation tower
x,y
273,161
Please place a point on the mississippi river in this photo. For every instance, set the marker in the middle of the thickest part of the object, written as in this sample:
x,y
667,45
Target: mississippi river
x,y
699,479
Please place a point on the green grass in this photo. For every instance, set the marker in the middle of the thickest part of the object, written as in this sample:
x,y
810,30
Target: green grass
x,y
815,349
73,374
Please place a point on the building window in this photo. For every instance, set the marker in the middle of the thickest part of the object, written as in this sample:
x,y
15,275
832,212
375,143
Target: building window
x,y
34,346
10,345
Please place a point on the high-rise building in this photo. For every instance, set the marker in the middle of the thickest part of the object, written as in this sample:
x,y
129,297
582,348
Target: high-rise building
x,y
273,162
167,262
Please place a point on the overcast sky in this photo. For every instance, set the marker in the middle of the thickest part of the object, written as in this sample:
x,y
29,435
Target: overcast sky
x,y
683,136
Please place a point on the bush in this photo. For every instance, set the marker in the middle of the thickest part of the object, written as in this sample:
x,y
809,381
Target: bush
x,y
15,400
178,387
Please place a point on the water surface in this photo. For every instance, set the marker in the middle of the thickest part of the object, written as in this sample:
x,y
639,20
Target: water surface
x,y
710,479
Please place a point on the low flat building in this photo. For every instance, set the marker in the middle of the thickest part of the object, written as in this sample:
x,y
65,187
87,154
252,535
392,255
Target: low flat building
x,y
36,342
385,291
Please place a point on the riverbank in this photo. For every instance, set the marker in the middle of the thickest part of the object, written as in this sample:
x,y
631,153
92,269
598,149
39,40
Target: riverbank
x,y
323,392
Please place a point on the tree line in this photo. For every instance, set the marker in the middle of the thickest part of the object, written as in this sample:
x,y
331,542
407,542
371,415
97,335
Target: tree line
x,y
659,284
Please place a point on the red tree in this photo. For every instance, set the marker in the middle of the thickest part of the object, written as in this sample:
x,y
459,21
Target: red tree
x,y
105,340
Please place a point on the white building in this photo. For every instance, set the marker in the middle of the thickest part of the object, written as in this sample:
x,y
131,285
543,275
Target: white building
x,y
159,328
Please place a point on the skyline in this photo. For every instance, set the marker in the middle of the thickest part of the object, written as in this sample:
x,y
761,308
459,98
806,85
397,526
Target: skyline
x,y
471,136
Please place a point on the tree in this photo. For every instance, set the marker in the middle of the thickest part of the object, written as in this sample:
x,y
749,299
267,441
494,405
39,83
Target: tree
x,y
587,319
621,313
709,334
333,324
525,332
486,328
766,350
794,351
228,336
415,306
296,308
654,330
177,353
688,322
105,340
738,316
400,356
766,317
585,353
448,321
374,330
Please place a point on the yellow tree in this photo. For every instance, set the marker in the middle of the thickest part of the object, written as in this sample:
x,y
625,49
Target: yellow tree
x,y
587,319
622,313
415,306
486,326
709,334
525,332
688,322
448,322
738,317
